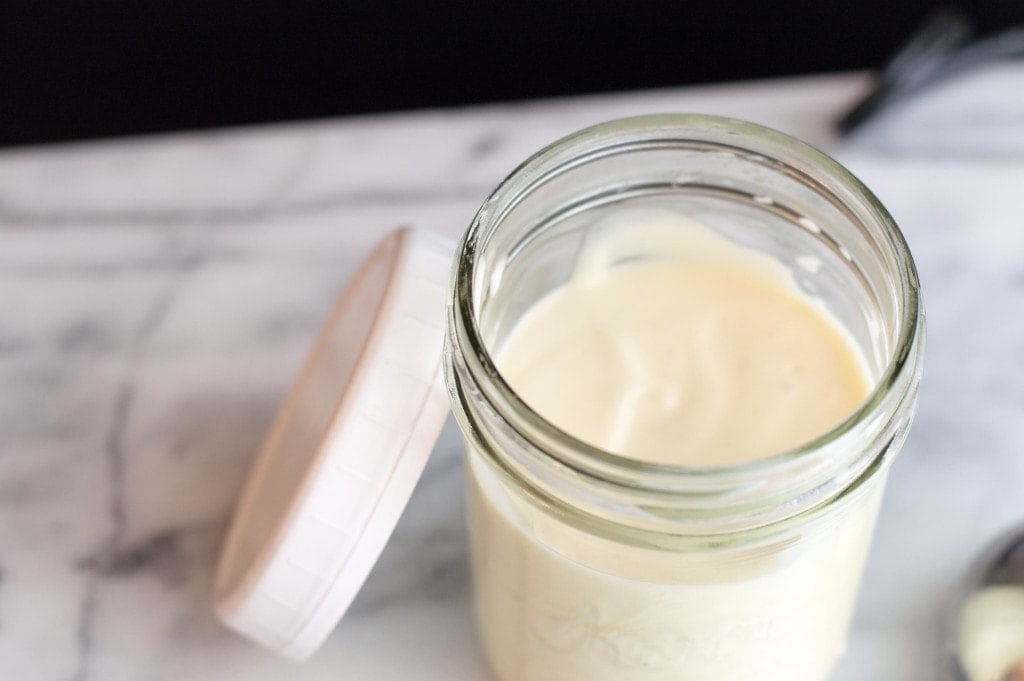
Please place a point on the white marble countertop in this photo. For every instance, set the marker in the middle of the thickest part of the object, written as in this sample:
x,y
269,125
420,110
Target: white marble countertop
x,y
158,294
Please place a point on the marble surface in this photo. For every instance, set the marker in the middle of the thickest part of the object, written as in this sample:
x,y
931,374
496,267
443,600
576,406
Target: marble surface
x,y
158,294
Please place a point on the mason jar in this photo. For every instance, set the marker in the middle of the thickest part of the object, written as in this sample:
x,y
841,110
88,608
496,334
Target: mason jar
x,y
590,565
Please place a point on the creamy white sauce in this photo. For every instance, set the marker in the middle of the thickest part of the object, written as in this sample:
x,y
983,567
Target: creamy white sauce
x,y
706,354
554,603
992,632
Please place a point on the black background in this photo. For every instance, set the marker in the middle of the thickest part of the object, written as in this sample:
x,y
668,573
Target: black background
x,y
86,69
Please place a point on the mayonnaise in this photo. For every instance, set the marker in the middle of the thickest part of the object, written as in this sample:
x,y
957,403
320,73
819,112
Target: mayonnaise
x,y
671,344
704,355
992,632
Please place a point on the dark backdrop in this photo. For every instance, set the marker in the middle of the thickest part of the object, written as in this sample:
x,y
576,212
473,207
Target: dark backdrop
x,y
78,69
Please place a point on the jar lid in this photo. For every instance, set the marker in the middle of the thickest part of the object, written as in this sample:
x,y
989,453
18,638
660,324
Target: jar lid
x,y
343,454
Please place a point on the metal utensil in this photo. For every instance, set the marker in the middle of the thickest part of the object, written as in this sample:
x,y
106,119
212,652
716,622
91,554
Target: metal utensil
x,y
1001,564
941,49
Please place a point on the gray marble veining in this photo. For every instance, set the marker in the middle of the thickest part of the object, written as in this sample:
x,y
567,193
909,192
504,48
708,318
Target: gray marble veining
x,y
158,294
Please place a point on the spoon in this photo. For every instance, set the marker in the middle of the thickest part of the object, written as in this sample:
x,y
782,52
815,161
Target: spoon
x,y
985,628
942,49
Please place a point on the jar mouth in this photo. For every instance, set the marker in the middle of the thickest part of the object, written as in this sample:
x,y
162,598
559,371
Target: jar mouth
x,y
895,383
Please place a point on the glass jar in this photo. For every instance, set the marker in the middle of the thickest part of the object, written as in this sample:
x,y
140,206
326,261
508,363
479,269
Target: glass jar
x,y
589,565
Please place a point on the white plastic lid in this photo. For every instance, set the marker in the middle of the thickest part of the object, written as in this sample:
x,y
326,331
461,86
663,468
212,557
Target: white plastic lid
x,y
343,454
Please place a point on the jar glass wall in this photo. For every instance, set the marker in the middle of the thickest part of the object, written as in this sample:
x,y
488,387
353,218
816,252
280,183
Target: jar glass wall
x,y
590,565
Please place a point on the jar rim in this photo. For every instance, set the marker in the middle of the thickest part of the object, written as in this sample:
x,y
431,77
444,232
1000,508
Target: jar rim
x,y
901,370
